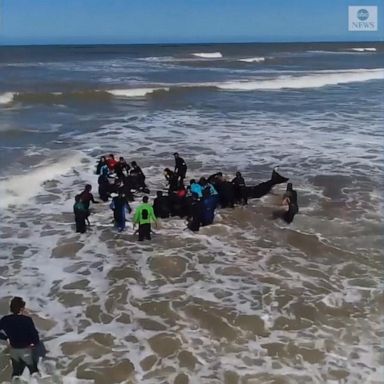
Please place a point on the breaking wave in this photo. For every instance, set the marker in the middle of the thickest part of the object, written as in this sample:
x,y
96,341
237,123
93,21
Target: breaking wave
x,y
253,60
208,55
315,80
135,92
363,49
299,81
7,97
19,189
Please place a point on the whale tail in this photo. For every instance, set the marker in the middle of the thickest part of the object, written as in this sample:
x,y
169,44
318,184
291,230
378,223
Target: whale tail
x,y
276,178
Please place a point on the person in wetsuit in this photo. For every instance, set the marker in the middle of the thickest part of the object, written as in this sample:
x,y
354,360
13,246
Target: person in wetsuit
x,y
22,336
87,198
290,198
239,189
180,167
122,168
172,180
144,217
104,187
120,207
138,178
161,205
102,163
81,214
194,213
226,194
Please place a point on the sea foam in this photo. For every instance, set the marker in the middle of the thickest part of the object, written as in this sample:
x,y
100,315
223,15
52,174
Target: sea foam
x,y
314,80
7,97
208,55
135,92
363,49
19,189
253,60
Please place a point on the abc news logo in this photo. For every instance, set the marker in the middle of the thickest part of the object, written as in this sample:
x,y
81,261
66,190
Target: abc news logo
x,y
362,18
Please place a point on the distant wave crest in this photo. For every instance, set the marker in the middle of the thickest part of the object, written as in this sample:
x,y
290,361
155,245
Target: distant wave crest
x,y
315,80
297,81
363,49
7,97
208,55
135,92
253,60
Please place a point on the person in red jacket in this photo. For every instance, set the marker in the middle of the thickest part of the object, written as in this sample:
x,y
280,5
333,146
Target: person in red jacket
x,y
111,162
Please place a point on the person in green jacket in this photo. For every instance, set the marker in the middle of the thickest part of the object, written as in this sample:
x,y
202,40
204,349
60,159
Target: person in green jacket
x,y
144,216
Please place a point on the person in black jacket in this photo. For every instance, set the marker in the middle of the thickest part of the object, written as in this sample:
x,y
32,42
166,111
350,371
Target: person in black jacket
x,y
87,198
161,205
138,178
290,199
180,168
22,336
172,180
122,168
239,189
194,216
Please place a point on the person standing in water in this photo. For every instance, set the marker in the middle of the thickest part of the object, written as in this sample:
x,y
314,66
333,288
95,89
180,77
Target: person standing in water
x,y
172,180
144,217
102,163
180,167
22,336
81,214
161,205
87,198
240,191
138,177
120,207
194,216
290,199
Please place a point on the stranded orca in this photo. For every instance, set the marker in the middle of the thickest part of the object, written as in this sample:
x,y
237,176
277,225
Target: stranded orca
x,y
263,188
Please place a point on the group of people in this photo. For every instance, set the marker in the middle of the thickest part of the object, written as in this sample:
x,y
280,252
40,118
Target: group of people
x,y
118,175
197,202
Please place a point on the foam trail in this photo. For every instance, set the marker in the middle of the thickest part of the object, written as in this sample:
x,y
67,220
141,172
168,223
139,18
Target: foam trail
x,y
308,81
7,97
253,60
19,189
208,55
135,92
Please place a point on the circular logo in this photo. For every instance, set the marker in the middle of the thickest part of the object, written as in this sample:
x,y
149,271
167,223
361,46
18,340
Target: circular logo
x,y
362,14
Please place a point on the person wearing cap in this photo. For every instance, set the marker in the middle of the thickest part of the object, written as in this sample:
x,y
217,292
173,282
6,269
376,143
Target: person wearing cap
x,y
180,167
22,336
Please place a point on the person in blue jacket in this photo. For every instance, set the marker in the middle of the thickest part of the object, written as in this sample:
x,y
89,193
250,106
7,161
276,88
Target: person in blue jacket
x,y
208,208
120,207
195,188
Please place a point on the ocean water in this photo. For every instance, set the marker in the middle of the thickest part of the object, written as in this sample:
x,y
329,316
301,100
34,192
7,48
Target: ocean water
x,y
247,299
